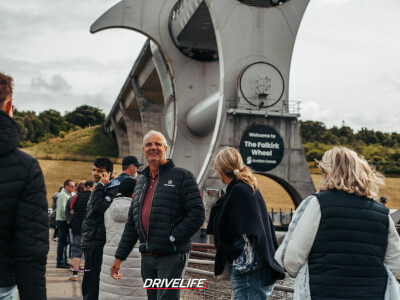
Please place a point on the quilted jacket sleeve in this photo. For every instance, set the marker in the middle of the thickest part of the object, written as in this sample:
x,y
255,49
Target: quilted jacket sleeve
x,y
129,236
194,210
32,236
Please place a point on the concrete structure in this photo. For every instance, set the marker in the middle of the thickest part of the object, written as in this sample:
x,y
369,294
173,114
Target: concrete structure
x,y
213,71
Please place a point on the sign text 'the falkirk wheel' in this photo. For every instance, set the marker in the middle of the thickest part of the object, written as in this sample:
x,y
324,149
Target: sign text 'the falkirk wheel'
x,y
262,148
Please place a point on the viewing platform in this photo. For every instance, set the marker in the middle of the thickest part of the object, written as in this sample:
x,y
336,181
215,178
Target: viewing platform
x,y
58,285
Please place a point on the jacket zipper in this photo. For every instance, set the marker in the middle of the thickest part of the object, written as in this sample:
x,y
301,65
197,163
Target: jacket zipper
x,y
140,217
151,206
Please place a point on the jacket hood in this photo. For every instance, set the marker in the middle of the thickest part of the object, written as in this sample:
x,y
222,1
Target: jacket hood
x,y
9,134
119,209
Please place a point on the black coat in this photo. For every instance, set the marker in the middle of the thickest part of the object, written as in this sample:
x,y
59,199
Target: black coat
x,y
93,229
241,211
177,209
24,232
79,211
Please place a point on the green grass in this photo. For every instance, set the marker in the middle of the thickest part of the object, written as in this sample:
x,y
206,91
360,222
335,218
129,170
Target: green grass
x,y
83,142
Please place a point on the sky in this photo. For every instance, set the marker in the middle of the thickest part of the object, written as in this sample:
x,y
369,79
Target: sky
x,y
345,66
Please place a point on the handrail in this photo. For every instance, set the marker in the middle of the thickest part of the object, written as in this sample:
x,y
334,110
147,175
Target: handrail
x,y
277,287
203,245
202,254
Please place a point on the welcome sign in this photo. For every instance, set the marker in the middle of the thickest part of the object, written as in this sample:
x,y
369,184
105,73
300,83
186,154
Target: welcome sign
x,y
261,148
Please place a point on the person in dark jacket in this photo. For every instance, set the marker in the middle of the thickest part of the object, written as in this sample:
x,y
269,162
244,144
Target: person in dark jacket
x,y
244,235
24,230
166,211
93,231
76,211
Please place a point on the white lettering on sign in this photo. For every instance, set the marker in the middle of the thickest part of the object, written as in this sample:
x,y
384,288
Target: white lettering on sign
x,y
260,152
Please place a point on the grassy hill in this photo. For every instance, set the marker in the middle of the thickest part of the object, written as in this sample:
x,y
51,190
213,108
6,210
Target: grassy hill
x,y
83,145
71,157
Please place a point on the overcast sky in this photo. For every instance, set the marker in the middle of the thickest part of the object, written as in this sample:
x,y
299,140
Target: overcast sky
x,y
345,67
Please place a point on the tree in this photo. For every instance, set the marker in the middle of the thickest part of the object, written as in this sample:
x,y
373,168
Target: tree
x,y
53,122
312,131
85,115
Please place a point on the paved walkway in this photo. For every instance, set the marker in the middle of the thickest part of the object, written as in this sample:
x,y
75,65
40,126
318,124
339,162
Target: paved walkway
x,y
58,285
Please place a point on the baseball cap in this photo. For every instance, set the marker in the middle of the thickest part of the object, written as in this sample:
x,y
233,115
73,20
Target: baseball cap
x,y
131,160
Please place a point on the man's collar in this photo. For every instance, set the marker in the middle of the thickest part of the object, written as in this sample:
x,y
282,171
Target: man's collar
x,y
162,168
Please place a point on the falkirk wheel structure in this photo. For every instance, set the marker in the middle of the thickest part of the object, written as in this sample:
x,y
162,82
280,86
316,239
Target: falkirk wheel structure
x,y
213,73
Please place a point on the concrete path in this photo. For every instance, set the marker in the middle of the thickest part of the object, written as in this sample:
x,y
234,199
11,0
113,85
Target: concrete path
x,y
58,285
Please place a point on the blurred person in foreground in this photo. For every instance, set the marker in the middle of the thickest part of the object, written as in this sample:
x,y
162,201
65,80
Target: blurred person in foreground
x,y
342,243
166,211
24,230
131,285
244,234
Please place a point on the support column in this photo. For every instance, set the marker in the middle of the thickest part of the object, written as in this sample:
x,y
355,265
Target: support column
x,y
150,111
122,138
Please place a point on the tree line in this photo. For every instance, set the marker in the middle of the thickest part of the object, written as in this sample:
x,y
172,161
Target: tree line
x,y
36,128
379,148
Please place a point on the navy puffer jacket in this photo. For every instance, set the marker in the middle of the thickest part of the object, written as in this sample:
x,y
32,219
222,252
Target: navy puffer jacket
x,y
177,209
24,232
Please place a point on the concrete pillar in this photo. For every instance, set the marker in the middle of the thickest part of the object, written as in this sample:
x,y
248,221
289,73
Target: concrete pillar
x,y
122,138
134,133
150,111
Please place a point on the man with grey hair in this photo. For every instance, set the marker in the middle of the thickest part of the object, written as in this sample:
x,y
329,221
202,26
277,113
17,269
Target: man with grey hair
x,y
166,211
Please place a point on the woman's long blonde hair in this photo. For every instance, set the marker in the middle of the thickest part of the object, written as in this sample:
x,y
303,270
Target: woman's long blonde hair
x,y
228,160
342,169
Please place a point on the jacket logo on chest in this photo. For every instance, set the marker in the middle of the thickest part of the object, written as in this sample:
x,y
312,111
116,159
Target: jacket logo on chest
x,y
169,184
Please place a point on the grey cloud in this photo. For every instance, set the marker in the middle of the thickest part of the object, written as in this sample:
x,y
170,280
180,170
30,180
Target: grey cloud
x,y
56,84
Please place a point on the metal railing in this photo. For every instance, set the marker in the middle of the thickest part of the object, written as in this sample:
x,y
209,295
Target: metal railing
x,y
282,107
201,266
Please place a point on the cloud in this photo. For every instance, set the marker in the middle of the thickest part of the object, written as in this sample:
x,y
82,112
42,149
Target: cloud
x,y
57,84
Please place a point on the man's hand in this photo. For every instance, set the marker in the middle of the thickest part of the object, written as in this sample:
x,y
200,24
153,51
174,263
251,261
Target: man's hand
x,y
115,269
105,178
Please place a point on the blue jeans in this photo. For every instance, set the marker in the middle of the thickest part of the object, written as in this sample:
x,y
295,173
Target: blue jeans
x,y
62,242
251,285
8,293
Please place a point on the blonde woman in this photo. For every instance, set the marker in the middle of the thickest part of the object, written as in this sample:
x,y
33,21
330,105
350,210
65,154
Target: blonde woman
x,y
244,235
341,238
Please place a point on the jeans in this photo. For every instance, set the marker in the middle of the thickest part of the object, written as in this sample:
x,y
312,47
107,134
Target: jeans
x,y
164,266
8,293
251,285
62,242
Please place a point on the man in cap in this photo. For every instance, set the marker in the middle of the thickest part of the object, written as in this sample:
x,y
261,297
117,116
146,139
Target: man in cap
x,y
130,167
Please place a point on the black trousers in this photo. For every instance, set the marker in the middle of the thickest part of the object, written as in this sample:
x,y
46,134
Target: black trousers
x,y
166,266
91,277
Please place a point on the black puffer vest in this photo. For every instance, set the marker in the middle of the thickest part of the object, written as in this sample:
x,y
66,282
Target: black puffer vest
x,y
346,260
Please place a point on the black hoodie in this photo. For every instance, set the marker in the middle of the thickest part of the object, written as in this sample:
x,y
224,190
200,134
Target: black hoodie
x,y
24,233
